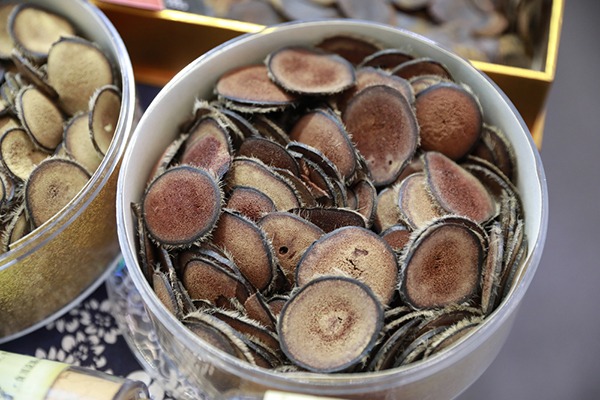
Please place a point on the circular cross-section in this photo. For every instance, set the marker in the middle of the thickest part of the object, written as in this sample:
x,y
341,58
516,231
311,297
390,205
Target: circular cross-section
x,y
181,206
330,324
352,251
450,119
442,267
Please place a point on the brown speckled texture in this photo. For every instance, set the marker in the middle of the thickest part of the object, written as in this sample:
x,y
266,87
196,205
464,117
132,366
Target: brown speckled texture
x,y
248,246
354,252
181,206
51,277
250,202
444,267
251,85
303,70
457,190
329,324
384,130
450,119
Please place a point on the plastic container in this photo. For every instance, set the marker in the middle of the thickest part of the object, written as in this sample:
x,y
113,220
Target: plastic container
x,y
66,258
189,366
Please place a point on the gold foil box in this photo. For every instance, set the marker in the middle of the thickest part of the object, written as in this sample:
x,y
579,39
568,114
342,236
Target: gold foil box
x,y
162,41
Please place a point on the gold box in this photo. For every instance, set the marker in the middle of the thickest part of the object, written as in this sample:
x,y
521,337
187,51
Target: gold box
x,y
161,43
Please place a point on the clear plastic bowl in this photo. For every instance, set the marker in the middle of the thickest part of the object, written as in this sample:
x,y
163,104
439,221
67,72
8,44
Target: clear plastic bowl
x,y
69,256
173,354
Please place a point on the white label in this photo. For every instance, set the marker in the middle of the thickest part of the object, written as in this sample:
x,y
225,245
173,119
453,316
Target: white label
x,y
26,378
273,395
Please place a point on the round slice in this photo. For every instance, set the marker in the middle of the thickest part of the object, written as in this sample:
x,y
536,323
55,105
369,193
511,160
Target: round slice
x,y
301,151
165,293
9,189
320,184
250,328
32,73
3,189
75,69
167,158
492,269
254,173
236,342
450,119
40,117
252,86
397,236
6,42
16,229
7,120
452,335
144,246
457,190
105,106
204,280
19,154
330,219
210,253
250,202
248,246
205,330
422,82
256,308
417,205
237,125
442,266
276,303
352,48
325,132
290,236
181,206
310,71
391,343
34,29
495,147
386,59
208,146
51,185
366,198
304,195
370,76
354,252
269,152
387,212
78,142
414,350
448,316
330,324
268,128
384,129
8,92
421,66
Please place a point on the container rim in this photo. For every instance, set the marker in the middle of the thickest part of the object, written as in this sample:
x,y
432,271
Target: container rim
x,y
356,382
